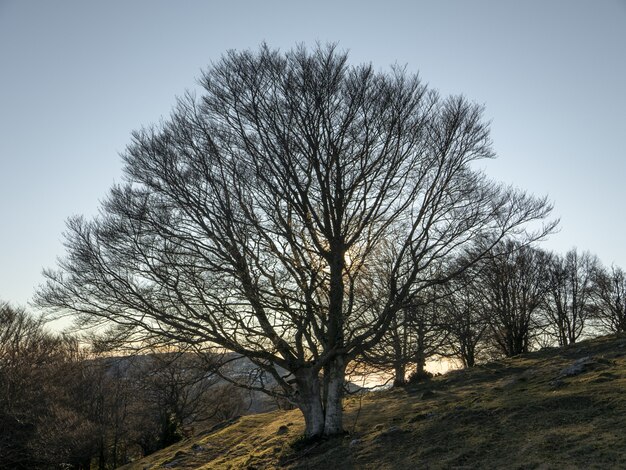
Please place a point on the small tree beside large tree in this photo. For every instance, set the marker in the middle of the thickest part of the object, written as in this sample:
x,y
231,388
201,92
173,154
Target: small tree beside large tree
x,y
251,219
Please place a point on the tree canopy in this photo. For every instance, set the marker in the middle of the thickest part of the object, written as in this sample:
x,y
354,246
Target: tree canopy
x,y
287,213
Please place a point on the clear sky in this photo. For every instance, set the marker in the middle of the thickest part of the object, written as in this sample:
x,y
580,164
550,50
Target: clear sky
x,y
76,77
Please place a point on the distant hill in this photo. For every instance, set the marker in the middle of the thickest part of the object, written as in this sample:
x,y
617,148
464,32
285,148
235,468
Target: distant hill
x,y
552,409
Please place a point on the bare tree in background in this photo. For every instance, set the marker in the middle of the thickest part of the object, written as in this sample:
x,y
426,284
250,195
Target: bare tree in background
x,y
464,317
62,407
249,219
610,291
514,286
178,393
570,298
19,354
426,321
39,425
415,334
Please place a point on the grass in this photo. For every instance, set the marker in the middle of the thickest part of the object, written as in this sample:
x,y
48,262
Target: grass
x,y
519,413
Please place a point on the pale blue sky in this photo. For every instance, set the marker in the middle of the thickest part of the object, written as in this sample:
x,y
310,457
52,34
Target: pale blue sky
x,y
76,77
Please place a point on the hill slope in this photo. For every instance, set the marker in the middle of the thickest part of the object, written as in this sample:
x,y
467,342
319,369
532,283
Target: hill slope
x,y
557,408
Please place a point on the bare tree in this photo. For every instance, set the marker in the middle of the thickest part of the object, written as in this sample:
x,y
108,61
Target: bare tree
x,y
19,352
415,334
39,427
62,407
178,392
515,283
465,318
610,291
250,217
570,295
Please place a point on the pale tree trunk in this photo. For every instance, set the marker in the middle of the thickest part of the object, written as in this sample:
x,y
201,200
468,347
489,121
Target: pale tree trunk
x,y
334,381
310,402
335,369
469,356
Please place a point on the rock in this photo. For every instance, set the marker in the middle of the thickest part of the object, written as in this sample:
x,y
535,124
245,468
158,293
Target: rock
x,y
577,367
282,430
355,442
197,448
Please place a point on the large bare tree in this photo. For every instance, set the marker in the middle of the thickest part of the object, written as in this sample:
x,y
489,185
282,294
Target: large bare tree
x,y
251,219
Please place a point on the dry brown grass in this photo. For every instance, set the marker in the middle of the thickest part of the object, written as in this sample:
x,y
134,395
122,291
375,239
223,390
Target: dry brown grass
x,y
518,413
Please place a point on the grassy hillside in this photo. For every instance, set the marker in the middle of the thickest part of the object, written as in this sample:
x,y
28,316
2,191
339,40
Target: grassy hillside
x,y
558,408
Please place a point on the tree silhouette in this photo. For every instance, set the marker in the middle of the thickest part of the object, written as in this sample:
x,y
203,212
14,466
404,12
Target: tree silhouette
x,y
251,219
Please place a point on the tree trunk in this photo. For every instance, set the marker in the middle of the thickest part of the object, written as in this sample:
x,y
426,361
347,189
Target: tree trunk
x,y
310,402
469,359
101,455
399,375
334,381
420,365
